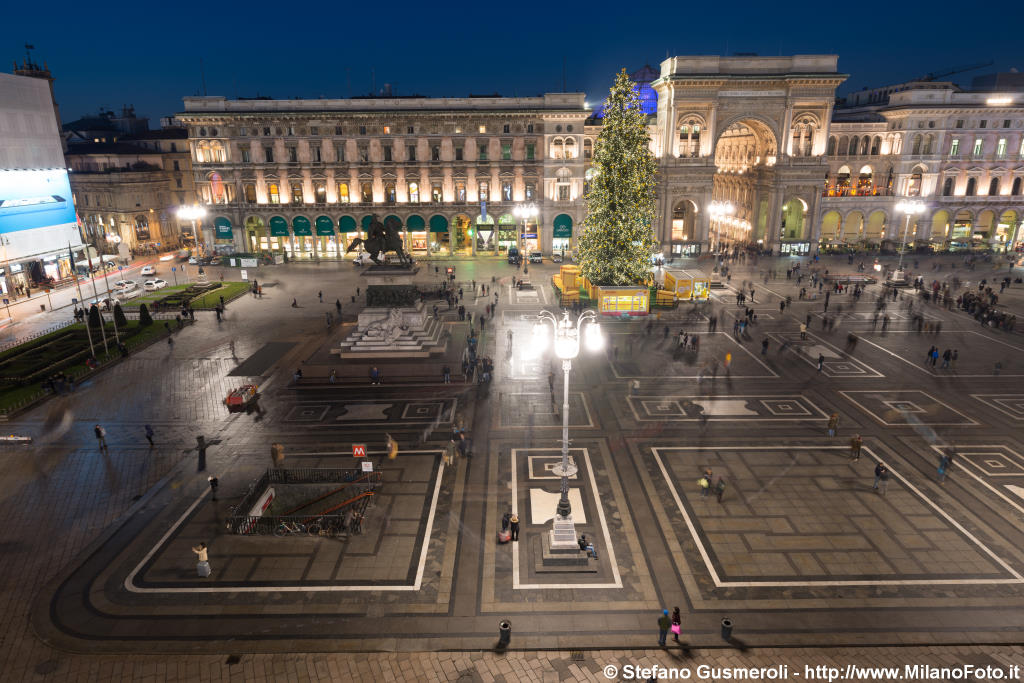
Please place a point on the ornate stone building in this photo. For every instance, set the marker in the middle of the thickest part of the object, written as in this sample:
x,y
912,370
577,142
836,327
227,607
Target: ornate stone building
x,y
306,176
747,131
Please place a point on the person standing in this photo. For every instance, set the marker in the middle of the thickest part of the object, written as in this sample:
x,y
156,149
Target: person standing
x,y
337,306
943,468
450,451
881,472
720,488
677,624
465,446
821,362
149,435
203,565
101,436
214,483
320,295
664,623
446,372
833,424
855,443
513,524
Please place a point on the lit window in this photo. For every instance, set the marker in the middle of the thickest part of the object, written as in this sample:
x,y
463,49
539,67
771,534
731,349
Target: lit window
x,y
435,193
366,192
531,190
389,193
273,194
296,193
1001,148
343,193
483,129
321,193
978,146
485,190
387,130
414,192
250,193
506,191
460,192
954,149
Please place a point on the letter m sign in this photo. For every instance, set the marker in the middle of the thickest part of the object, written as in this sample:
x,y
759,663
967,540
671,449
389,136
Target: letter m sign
x,y
359,450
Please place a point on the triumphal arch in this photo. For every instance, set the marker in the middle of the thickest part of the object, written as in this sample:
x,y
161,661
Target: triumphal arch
x,y
741,143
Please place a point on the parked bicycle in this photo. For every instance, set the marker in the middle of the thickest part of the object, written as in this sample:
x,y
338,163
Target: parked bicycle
x,y
288,528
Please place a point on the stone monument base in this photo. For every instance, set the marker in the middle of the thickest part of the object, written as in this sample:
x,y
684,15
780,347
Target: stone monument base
x,y
422,336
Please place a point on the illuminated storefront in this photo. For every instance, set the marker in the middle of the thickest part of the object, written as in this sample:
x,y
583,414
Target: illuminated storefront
x,y
561,233
417,228
485,235
325,244
438,233
278,235
508,232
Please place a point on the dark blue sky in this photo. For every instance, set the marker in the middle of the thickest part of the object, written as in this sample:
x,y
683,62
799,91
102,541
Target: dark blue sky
x,y
148,54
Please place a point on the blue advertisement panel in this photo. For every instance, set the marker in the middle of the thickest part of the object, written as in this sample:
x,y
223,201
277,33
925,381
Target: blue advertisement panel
x,y
35,199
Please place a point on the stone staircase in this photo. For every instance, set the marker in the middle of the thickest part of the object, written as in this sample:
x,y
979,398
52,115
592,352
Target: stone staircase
x,y
424,336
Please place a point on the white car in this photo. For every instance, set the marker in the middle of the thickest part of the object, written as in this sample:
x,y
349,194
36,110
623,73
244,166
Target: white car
x,y
153,285
362,259
192,261
167,257
147,270
124,284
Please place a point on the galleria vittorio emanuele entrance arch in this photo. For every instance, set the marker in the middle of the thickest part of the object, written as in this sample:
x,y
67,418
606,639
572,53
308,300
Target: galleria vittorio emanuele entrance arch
x,y
747,131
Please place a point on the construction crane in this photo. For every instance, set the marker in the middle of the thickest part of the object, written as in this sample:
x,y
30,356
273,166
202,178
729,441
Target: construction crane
x,y
955,70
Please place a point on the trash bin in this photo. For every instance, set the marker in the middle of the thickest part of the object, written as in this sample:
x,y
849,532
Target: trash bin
x,y
726,629
504,633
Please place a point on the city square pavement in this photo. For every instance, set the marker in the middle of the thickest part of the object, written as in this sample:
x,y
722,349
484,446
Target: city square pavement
x,y
810,562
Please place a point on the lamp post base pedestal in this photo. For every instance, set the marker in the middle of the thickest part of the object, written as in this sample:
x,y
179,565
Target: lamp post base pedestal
x,y
562,536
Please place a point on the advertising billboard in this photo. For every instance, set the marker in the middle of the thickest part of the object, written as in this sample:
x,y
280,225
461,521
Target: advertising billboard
x,y
35,199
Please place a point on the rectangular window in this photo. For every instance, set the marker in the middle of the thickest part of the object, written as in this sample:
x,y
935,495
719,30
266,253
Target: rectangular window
x,y
296,193
268,154
435,153
366,193
978,145
505,128
293,154
314,130
435,194
563,192
982,124
506,151
531,191
529,128
387,130
337,130
1001,148
460,192
362,130
243,131
414,192
954,149
411,130
531,151
458,154
959,123
410,152
291,130
320,192
1006,123
482,148
387,153
176,165
506,192
483,128
316,152
364,156
177,182
485,191
343,193
245,155
273,194
458,130
340,151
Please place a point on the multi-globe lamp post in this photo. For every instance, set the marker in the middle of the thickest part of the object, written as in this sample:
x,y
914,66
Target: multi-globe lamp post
x,y
910,207
527,212
567,347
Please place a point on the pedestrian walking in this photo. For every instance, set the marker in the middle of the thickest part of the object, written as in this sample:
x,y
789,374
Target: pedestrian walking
x,y
705,483
321,296
465,446
677,624
881,474
821,361
337,306
203,564
101,436
513,525
450,451
803,330
855,443
720,488
214,483
149,435
446,373
551,382
833,424
664,624
764,346
947,355
943,468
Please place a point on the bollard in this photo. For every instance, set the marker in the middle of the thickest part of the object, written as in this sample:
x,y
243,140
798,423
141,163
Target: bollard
x,y
504,633
726,629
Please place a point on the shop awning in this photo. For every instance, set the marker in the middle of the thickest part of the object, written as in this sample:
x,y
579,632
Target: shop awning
x,y
301,227
278,227
366,223
389,217
324,226
347,224
416,223
223,228
438,223
562,226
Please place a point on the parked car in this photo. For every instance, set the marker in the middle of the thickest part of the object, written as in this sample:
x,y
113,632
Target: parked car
x,y
148,270
536,257
192,261
153,285
556,258
514,258
122,284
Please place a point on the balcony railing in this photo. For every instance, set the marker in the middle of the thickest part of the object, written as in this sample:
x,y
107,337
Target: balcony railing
x,y
861,192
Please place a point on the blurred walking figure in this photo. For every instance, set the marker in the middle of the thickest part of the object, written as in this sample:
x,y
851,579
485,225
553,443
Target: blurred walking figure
x,y
101,436
149,435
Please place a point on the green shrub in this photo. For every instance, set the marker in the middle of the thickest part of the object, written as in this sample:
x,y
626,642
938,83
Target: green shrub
x,y
94,317
119,319
145,319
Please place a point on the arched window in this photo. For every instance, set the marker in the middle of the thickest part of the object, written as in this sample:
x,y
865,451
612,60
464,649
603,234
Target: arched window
x,y
854,141
803,136
249,190
864,180
689,138
843,181
343,193
557,148
971,186
993,187
366,193
273,193
947,187
1016,186
876,145
844,145
588,148
914,186
141,228
389,193
414,192
831,150
563,184
927,147
864,142
217,194
915,147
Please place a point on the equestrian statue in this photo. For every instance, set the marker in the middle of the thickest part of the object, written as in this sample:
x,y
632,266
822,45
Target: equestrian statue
x,y
384,237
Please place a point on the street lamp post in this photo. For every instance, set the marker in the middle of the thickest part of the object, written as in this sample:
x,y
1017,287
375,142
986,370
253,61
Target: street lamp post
x,y
192,214
526,212
567,347
909,207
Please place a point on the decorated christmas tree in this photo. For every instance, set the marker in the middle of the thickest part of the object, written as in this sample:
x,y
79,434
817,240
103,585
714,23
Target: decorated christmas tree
x,y
617,241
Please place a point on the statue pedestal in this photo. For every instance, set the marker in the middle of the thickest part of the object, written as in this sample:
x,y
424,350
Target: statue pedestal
x,y
390,275
421,335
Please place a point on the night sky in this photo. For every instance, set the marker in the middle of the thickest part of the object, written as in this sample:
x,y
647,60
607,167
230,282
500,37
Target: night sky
x,y
148,54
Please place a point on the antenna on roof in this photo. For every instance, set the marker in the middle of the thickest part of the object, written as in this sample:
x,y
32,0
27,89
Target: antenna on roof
x,y
28,55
